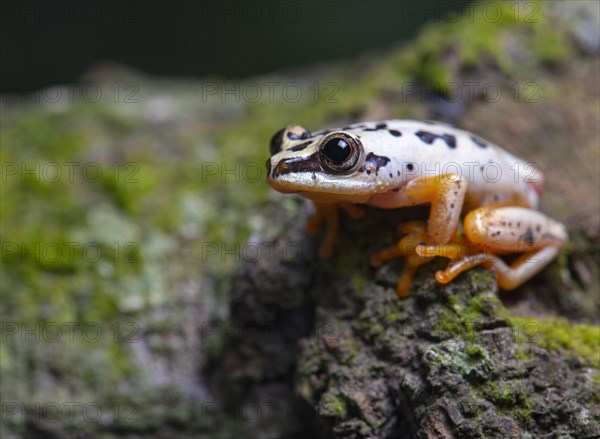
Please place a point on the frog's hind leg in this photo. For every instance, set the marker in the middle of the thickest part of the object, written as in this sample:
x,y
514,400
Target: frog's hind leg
x,y
523,269
492,231
415,233
510,276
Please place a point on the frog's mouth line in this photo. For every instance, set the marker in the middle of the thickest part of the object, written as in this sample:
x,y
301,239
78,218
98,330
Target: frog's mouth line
x,y
281,188
317,194
327,197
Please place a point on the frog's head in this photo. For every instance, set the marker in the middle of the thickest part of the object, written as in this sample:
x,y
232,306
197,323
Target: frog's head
x,y
328,166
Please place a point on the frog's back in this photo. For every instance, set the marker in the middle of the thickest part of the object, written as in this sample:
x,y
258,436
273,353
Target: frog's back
x,y
424,148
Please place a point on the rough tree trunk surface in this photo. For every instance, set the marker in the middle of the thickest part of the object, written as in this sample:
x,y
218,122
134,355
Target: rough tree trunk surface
x,y
448,361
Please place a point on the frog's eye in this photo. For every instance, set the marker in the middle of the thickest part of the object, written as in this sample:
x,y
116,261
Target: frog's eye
x,y
340,152
276,142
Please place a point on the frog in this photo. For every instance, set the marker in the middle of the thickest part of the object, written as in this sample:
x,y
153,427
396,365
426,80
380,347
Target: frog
x,y
483,200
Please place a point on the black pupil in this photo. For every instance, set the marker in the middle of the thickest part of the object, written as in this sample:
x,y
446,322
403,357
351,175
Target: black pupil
x,y
337,150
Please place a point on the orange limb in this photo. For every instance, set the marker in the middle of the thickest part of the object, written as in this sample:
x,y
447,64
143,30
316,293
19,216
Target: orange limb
x,y
456,267
508,277
411,264
353,211
415,234
524,268
315,222
499,230
450,251
446,194
330,215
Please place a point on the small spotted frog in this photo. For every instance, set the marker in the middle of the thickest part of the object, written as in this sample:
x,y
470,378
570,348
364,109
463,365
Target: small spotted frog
x,y
398,163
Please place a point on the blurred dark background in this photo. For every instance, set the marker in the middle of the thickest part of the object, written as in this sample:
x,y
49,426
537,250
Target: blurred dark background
x,y
49,42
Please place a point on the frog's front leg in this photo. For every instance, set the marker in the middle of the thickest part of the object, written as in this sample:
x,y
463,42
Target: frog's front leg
x,y
329,214
414,233
446,195
353,210
490,231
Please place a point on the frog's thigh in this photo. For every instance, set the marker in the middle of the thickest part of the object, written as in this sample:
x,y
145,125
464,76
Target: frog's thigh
x,y
445,193
512,229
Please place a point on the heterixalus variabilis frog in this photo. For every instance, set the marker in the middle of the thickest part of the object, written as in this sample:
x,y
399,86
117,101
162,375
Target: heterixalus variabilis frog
x,y
398,163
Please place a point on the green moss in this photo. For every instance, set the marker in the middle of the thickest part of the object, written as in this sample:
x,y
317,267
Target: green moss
x,y
522,415
509,396
522,354
331,405
462,319
358,281
475,352
481,36
453,356
500,394
557,333
483,276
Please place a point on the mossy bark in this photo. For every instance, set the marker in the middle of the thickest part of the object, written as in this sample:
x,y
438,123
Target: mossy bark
x,y
290,345
448,361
